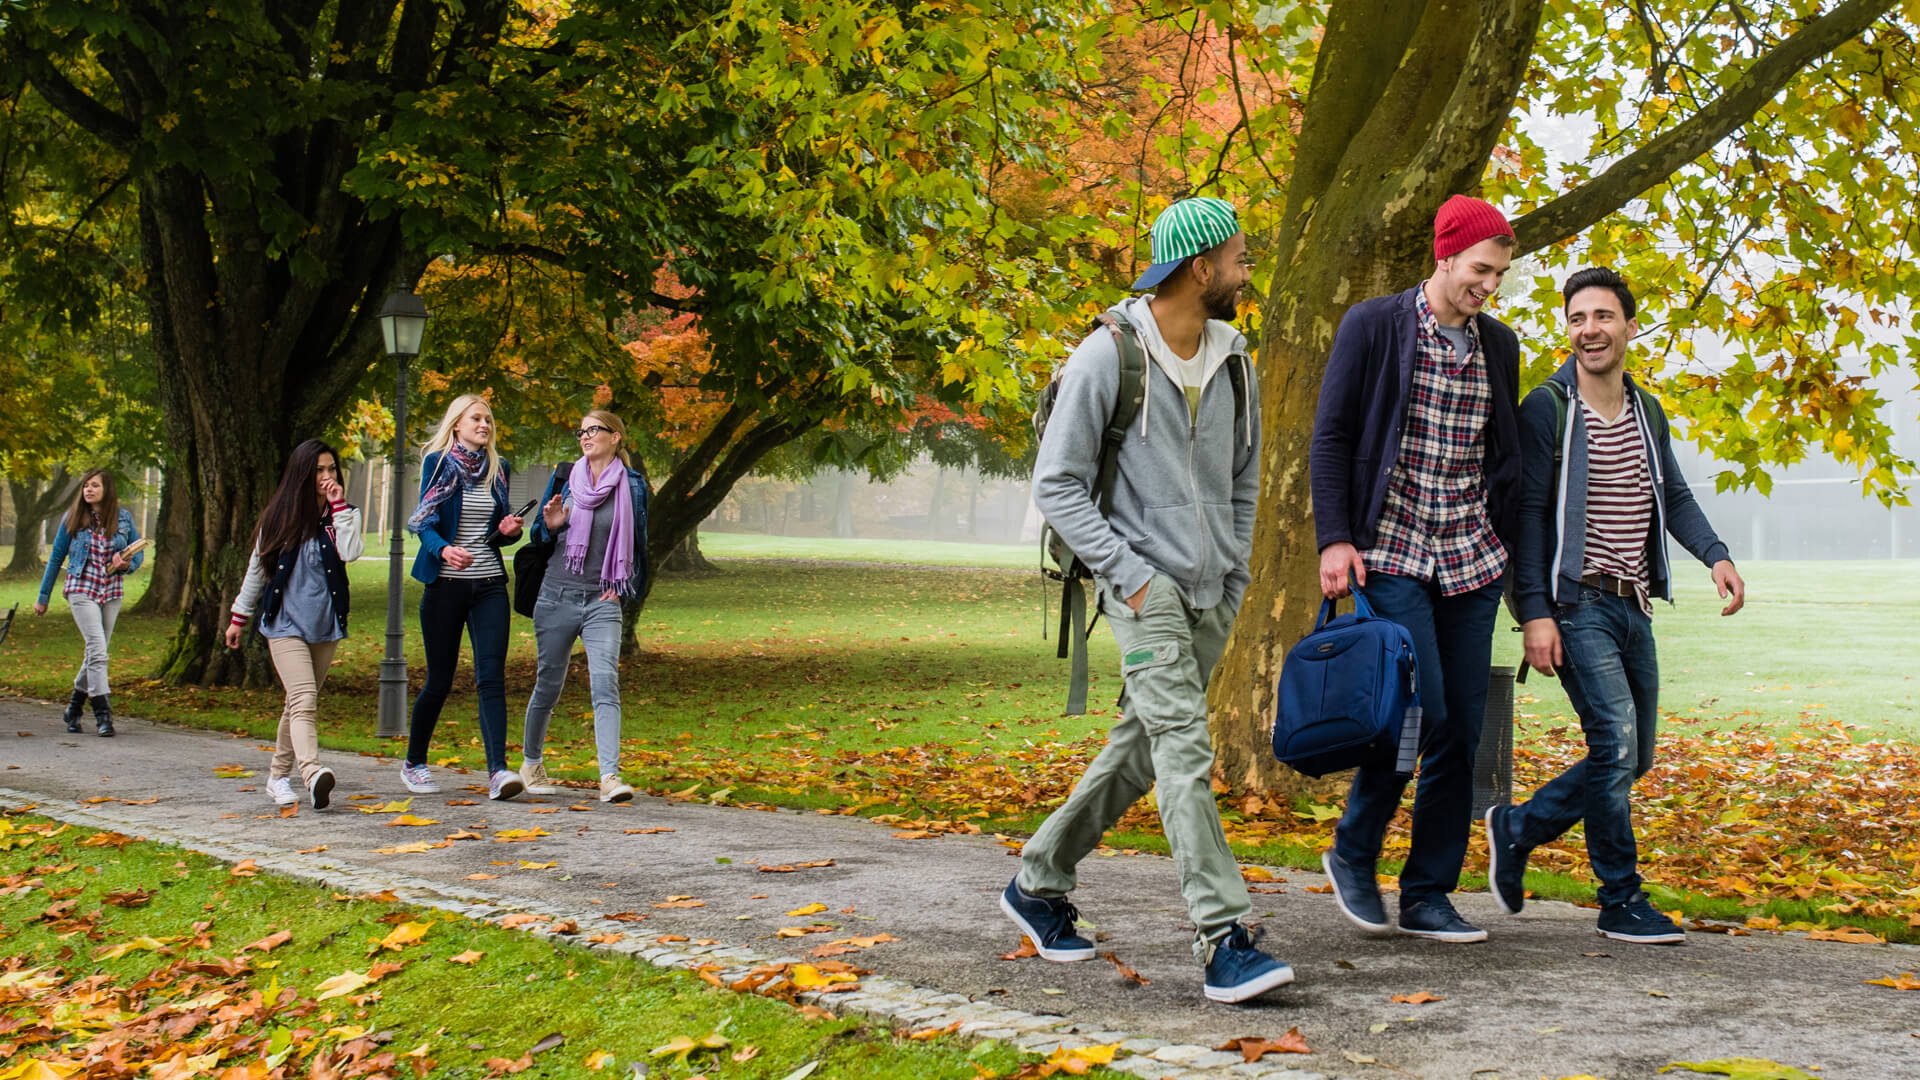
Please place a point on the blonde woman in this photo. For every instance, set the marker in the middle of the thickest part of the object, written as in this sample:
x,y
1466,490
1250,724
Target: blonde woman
x,y
463,502
92,540
598,522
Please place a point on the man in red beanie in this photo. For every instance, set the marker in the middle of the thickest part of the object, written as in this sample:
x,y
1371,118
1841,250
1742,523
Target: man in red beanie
x,y
1415,471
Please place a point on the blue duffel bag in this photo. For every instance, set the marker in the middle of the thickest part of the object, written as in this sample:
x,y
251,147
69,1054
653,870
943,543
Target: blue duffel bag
x,y
1348,695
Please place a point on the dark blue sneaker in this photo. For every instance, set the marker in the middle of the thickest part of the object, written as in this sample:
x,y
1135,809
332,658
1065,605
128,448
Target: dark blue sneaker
x,y
1239,971
1638,921
1357,893
1436,919
1506,862
1047,922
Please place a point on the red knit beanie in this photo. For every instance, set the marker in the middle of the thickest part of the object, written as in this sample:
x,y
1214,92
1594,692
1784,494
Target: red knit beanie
x,y
1464,221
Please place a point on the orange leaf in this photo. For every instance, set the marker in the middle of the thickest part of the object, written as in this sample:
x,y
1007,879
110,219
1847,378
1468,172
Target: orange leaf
x,y
1254,1049
1420,998
1025,950
244,869
471,956
1126,972
1897,982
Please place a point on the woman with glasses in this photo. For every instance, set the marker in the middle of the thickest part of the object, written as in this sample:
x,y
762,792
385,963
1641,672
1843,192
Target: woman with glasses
x,y
463,520
598,523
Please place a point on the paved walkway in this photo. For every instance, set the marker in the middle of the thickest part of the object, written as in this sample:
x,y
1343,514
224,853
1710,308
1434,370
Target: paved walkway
x,y
1544,998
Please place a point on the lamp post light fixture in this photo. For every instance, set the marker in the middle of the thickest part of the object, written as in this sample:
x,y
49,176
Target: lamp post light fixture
x,y
403,321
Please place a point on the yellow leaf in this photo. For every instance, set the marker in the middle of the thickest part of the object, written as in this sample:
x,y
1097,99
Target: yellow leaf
x,y
599,1059
415,848
409,819
508,836
41,1069
342,984
397,806
525,865
403,935
808,977
139,944
810,909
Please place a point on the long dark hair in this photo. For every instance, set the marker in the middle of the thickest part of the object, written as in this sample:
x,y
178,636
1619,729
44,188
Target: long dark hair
x,y
80,515
292,516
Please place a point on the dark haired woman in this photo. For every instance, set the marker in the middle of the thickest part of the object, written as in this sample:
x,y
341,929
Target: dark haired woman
x,y
598,520
462,521
92,538
306,537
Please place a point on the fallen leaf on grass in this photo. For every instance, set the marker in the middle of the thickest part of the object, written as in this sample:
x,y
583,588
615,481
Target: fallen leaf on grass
x,y
1897,982
1079,1060
1254,1049
142,943
598,1060
129,899
401,936
1126,972
246,868
681,1046
1418,998
809,977
341,985
506,1066
471,956
549,1042
788,868
107,839
269,943
746,1054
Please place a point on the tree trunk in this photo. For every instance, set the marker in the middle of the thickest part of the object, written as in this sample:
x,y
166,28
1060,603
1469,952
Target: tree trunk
x,y
933,503
172,550
34,502
843,505
686,558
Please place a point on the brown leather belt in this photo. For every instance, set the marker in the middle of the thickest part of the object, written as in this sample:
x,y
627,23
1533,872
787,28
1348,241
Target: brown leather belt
x,y
1609,583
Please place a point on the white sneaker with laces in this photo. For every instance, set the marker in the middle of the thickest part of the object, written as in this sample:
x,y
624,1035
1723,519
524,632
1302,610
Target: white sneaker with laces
x,y
504,785
419,779
613,790
280,790
534,775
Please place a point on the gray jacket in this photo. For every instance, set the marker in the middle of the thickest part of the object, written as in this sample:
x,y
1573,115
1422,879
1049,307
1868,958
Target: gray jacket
x,y
1183,497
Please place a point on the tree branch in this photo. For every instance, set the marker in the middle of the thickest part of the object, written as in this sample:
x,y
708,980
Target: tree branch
x,y
1627,178
94,118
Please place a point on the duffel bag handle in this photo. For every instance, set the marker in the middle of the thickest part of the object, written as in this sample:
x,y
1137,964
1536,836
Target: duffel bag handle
x,y
1360,605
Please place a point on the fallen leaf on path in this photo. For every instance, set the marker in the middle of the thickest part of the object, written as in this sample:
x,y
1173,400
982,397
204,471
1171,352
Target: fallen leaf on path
x,y
915,834
564,926
925,1034
1322,889
607,939
519,919
803,931
1254,1049
525,865
1419,998
788,868
628,916
809,977
1742,1068
1025,950
1851,935
417,847
315,850
646,832
513,836
482,877
246,868
1258,873
397,806
681,902
232,772
1126,972
810,909
1897,982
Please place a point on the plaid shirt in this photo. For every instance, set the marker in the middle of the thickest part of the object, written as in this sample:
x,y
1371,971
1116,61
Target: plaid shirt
x,y
94,581
1434,522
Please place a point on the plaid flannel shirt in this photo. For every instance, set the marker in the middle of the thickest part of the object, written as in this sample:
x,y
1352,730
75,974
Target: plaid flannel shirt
x,y
1434,522
95,581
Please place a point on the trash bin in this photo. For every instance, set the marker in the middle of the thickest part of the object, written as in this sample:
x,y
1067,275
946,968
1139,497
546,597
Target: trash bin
x,y
1493,762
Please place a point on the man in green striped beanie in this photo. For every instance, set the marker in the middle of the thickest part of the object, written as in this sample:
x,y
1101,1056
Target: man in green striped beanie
x,y
1167,540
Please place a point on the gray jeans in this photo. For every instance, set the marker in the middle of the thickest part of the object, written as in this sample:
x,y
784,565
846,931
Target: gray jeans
x,y
1167,654
560,617
96,630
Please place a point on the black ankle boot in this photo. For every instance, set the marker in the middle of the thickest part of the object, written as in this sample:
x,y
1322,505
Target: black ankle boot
x,y
74,707
102,717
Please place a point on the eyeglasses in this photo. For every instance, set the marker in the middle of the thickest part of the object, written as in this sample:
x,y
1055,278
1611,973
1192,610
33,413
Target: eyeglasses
x,y
591,430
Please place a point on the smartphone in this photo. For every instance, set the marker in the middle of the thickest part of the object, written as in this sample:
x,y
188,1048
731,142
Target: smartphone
x,y
494,536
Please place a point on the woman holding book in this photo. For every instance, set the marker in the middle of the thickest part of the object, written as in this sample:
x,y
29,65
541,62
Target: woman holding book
x,y
100,546
301,548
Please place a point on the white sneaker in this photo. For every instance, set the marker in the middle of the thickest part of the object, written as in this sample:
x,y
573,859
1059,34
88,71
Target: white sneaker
x,y
418,779
280,790
534,775
613,790
504,785
320,788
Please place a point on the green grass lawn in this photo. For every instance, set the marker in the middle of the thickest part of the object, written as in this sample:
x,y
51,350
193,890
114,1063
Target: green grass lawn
x,y
67,907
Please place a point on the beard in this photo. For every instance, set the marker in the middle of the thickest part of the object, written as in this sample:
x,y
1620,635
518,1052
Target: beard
x,y
1221,301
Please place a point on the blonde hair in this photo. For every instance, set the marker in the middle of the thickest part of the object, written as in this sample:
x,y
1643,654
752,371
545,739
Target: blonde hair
x,y
608,420
443,438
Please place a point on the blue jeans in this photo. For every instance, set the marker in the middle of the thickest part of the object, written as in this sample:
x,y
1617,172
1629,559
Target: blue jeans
x,y
479,605
560,617
1612,677
1453,643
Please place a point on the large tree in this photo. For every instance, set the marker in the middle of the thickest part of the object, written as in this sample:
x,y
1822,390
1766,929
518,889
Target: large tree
x,y
1733,174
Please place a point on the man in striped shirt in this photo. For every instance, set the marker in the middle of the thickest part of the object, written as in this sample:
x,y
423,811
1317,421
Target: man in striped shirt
x,y
1599,493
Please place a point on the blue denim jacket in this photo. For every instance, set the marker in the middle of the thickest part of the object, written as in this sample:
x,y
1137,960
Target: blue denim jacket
x,y
74,547
437,530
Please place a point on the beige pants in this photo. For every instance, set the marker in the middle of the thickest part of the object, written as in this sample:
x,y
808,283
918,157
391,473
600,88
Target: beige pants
x,y
302,667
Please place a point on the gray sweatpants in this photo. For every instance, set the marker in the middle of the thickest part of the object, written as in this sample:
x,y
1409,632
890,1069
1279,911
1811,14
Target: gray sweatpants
x,y
96,630
559,617
1167,652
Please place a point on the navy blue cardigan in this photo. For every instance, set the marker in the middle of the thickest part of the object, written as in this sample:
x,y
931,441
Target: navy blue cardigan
x,y
1363,406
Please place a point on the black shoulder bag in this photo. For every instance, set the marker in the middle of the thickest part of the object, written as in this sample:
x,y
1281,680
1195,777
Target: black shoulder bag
x,y
530,559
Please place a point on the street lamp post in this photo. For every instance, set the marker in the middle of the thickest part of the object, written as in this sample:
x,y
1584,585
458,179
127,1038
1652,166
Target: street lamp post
x,y
403,321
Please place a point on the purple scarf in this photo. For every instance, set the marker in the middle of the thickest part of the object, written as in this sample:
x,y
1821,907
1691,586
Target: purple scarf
x,y
468,467
616,571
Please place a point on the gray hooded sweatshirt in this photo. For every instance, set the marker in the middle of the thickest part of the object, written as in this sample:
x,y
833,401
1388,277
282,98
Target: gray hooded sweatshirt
x,y
1184,491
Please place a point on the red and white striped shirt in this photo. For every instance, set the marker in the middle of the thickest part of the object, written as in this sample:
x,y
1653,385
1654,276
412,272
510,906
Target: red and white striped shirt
x,y
1619,497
